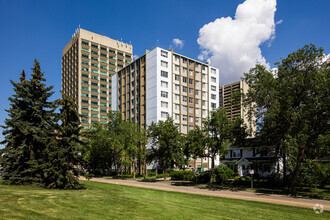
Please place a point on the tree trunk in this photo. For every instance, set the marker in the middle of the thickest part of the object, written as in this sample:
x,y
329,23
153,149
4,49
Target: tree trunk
x,y
145,161
165,174
212,167
297,169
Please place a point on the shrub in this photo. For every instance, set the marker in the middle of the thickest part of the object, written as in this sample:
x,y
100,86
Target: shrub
x,y
160,175
183,175
204,177
223,173
151,173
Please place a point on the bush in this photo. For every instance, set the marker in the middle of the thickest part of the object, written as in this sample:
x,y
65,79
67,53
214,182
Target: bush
x,y
223,173
183,175
161,176
151,173
204,177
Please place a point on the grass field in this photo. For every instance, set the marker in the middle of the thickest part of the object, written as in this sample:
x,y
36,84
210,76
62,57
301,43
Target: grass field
x,y
108,201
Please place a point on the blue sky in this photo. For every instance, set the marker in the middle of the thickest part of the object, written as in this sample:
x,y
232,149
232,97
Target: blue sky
x,y
41,29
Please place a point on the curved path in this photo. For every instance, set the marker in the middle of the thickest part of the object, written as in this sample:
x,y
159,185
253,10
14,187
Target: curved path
x,y
187,187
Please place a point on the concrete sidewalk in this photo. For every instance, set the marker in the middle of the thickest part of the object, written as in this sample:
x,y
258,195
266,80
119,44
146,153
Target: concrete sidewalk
x,y
187,187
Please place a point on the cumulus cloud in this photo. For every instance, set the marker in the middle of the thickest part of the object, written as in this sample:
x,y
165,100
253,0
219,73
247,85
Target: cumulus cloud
x,y
233,45
178,43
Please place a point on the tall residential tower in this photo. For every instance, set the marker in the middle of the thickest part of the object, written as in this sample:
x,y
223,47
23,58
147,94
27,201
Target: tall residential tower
x,y
230,99
88,62
162,83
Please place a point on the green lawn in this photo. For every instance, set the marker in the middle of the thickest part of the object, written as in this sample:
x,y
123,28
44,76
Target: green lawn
x,y
107,201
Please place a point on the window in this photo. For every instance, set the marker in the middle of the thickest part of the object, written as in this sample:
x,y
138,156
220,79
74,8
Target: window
x,y
184,89
213,71
191,91
83,81
102,79
184,60
204,113
93,58
94,103
84,101
164,74
204,76
112,51
103,98
176,58
236,153
196,120
184,98
213,88
204,103
164,104
184,118
191,127
164,63
197,83
163,53
119,53
204,95
164,94
184,108
94,96
94,84
214,97
197,92
213,79
184,127
191,100
103,55
176,97
84,94
177,116
86,69
204,86
176,68
177,87
93,45
83,55
213,105
191,110
177,107
103,48
84,62
197,101
191,81
191,73
164,84
94,52
85,43
184,79
177,77
197,111
94,77
164,114
191,119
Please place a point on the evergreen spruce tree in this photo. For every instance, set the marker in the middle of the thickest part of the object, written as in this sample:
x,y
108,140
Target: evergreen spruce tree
x,y
29,131
63,154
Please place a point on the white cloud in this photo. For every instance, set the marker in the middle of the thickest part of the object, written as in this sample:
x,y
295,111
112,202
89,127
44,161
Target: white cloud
x,y
178,43
279,22
135,56
232,45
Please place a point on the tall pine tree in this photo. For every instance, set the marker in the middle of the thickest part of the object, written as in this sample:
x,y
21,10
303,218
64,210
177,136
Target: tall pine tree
x,y
29,131
63,153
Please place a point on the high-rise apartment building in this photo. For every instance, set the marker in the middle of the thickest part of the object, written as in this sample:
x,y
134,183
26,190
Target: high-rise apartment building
x,y
162,83
230,99
89,61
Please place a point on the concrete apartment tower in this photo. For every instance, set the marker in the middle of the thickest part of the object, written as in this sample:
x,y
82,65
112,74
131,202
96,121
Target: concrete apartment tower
x,y
89,61
228,95
162,83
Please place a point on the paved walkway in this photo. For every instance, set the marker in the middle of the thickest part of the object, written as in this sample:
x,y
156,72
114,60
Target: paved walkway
x,y
187,187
